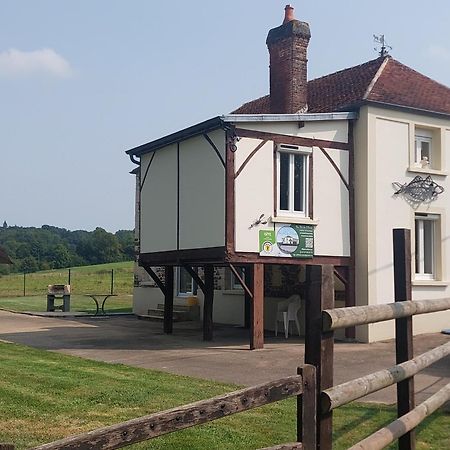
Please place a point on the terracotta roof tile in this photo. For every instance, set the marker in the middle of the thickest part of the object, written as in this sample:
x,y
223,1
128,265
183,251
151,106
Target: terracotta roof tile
x,y
400,85
382,80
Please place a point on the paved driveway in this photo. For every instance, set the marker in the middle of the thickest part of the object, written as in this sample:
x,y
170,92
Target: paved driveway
x,y
127,340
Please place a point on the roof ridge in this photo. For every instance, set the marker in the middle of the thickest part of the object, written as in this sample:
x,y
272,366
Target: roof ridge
x,y
376,77
347,68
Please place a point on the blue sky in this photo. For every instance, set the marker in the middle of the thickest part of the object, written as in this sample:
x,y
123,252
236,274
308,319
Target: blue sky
x,y
83,81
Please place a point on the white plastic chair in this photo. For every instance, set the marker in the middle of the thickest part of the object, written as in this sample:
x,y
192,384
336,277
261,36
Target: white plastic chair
x,y
287,311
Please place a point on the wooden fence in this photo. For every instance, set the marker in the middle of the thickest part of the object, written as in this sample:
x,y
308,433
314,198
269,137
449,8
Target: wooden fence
x,y
323,319
158,424
313,386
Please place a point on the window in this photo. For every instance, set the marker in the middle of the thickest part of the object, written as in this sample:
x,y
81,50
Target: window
x,y
185,284
426,152
235,284
292,171
423,156
425,246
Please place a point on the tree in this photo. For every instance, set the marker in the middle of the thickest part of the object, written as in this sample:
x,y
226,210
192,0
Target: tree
x,y
5,225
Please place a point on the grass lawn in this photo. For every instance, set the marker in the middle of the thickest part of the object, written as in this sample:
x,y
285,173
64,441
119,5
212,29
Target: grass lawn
x,y
78,303
45,396
83,280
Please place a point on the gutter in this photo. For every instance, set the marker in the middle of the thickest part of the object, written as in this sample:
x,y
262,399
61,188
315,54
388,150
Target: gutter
x,y
222,121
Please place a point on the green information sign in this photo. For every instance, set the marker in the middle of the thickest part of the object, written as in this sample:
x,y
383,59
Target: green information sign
x,y
287,241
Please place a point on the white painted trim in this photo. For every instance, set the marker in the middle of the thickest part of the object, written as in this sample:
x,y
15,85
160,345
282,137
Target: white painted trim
x,y
293,219
235,118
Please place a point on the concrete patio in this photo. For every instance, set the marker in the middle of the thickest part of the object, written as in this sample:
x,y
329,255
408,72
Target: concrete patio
x,y
128,340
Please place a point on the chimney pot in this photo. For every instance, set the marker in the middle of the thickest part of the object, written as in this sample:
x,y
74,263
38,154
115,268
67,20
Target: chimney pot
x,y
288,14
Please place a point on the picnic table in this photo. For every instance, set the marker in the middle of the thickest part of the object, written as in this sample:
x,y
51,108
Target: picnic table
x,y
96,298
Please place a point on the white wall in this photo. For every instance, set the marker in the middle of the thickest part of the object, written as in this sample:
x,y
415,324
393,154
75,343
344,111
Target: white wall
x,y
202,192
331,204
336,130
382,157
253,192
159,201
254,188
201,219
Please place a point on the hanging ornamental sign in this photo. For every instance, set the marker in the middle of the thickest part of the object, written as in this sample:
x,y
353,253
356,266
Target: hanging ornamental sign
x,y
419,189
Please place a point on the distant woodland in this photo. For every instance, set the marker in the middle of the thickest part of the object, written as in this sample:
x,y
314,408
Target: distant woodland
x,y
48,247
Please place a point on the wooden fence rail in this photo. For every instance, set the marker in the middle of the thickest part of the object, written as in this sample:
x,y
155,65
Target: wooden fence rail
x,y
404,424
352,390
158,424
334,319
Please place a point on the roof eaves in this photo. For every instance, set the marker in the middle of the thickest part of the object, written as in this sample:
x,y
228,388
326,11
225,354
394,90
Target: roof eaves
x,y
308,117
194,130
406,108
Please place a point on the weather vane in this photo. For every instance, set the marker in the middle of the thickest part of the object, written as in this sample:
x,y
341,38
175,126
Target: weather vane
x,y
384,51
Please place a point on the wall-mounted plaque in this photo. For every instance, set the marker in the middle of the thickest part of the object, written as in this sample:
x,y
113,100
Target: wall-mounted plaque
x,y
287,241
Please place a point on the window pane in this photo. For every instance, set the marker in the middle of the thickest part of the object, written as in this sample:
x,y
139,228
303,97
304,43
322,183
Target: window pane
x,y
284,181
425,150
185,281
299,176
418,250
428,226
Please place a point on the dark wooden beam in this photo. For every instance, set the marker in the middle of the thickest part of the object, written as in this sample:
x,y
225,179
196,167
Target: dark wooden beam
x,y
195,256
229,191
335,167
208,303
257,311
211,143
293,140
319,345
249,157
141,185
168,299
155,278
403,329
341,274
242,258
242,282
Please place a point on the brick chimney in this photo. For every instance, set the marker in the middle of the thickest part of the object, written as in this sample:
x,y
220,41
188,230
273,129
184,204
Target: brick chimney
x,y
288,46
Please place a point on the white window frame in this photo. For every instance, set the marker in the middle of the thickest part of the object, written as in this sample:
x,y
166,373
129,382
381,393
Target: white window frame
x,y
178,284
420,137
306,153
419,244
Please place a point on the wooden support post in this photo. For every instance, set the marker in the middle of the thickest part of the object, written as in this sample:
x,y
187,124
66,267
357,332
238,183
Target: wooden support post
x,y
208,303
403,328
319,345
307,408
248,275
168,300
257,310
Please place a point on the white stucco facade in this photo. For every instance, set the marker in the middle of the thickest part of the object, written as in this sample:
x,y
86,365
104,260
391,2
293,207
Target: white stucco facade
x,y
384,154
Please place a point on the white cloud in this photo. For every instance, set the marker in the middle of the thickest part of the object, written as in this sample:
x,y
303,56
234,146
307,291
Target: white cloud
x,y
44,61
439,52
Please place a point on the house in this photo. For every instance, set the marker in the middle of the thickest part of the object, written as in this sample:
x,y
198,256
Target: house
x,y
231,210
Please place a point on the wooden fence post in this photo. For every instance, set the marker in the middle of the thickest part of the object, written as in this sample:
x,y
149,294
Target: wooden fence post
x,y
403,328
319,345
168,299
307,408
